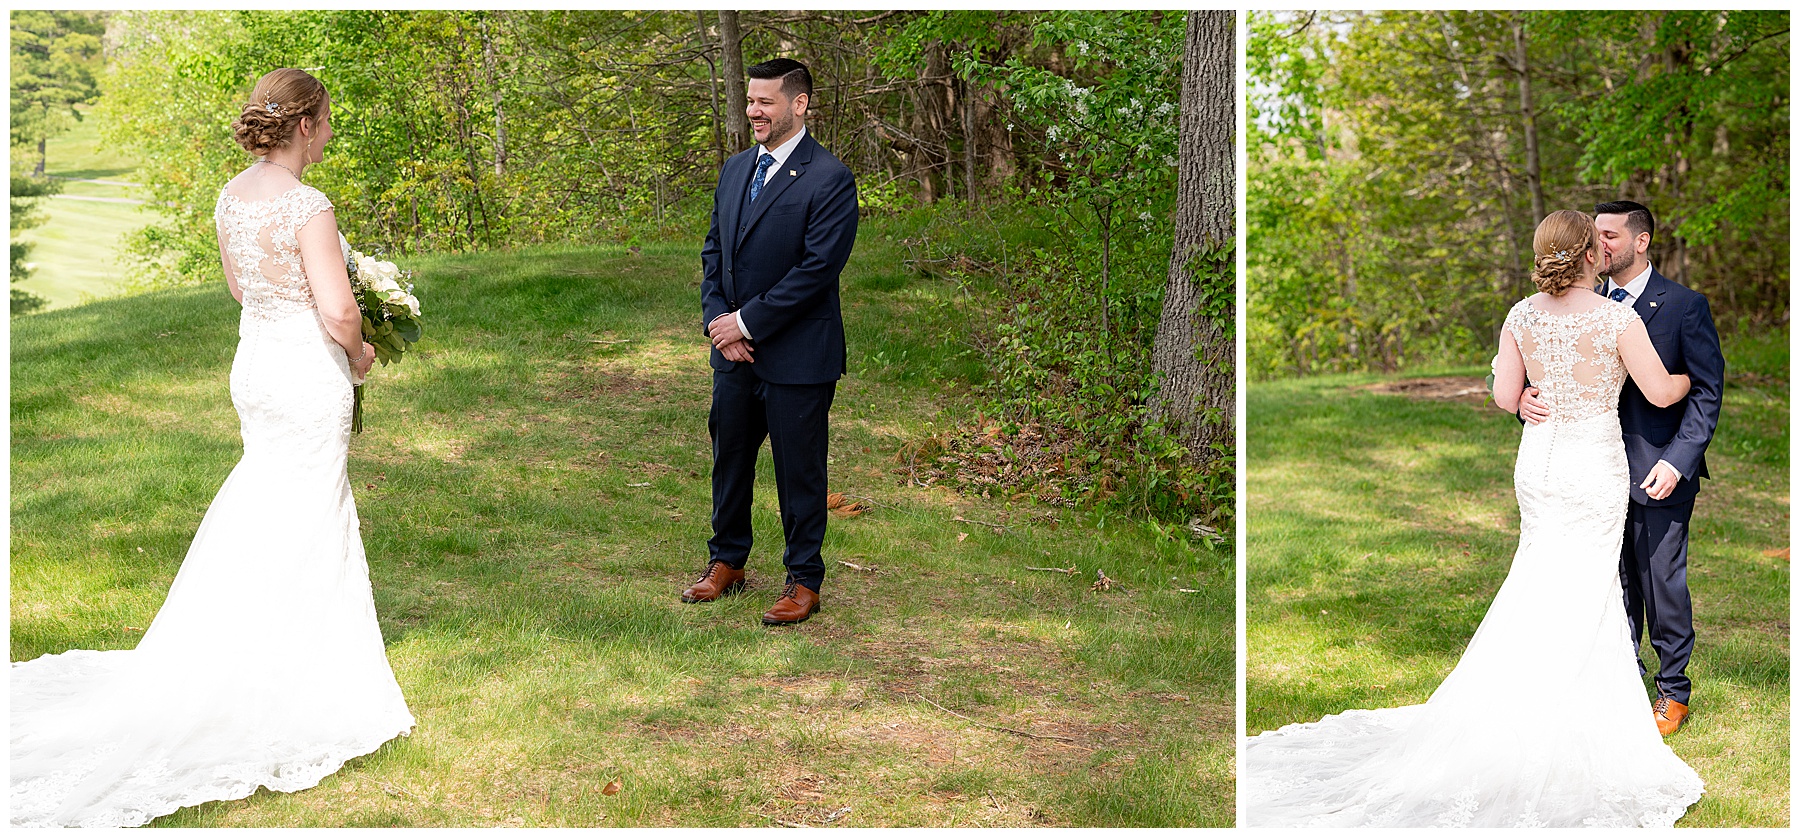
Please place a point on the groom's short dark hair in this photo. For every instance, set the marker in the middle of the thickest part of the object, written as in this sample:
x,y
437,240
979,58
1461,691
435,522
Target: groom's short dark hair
x,y
795,78
1637,216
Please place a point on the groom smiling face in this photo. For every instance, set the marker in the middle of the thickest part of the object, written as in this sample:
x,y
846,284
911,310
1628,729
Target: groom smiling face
x,y
775,114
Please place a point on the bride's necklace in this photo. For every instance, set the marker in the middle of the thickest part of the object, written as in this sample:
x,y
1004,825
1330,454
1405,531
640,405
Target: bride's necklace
x,y
283,168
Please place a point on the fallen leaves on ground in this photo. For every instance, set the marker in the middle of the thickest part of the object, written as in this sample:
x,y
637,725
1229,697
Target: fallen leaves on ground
x,y
843,508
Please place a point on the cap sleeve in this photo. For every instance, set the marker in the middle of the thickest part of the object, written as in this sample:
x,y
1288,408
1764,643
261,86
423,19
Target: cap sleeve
x,y
1624,318
308,202
1517,319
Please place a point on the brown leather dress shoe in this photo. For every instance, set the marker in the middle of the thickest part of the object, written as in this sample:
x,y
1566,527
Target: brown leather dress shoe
x,y
1670,715
797,603
718,580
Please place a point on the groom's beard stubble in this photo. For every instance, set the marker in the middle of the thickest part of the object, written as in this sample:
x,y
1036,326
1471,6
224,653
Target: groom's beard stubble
x,y
1614,271
781,128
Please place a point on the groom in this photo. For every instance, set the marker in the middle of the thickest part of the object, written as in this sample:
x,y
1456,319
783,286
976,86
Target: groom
x,y
1665,446
783,222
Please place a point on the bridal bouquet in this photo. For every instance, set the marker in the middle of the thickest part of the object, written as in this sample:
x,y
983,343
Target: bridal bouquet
x,y
390,314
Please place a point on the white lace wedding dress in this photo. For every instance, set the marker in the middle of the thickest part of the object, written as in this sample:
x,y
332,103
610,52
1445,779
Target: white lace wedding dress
x,y
1545,720
265,665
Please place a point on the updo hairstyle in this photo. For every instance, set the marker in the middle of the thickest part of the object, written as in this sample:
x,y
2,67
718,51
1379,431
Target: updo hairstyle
x,y
1561,246
276,106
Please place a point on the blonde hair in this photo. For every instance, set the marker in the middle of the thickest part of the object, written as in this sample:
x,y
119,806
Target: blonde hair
x,y
1564,239
281,99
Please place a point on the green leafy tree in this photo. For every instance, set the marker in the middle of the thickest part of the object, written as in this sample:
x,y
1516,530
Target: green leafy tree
x,y
1400,161
54,59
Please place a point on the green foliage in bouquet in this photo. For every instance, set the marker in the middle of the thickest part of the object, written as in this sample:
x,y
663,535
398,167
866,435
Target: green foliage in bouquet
x,y
390,314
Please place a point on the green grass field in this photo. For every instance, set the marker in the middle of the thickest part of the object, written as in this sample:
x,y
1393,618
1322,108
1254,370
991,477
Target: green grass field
x,y
534,494
1381,526
75,251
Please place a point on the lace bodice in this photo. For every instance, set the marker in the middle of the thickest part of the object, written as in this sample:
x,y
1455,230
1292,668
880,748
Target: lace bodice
x,y
1573,359
262,239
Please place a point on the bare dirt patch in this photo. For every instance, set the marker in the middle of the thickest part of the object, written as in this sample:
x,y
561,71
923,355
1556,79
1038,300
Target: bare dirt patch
x,y
1453,388
594,383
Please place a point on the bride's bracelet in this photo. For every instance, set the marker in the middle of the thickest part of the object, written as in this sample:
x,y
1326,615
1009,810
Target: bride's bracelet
x,y
359,355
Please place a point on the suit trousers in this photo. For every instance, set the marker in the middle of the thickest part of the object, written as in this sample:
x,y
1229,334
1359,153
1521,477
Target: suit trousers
x,y
794,418
1653,567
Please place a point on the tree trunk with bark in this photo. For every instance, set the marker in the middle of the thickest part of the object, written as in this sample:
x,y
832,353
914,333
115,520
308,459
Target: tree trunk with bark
x,y
712,89
1534,179
490,63
1195,340
932,111
731,48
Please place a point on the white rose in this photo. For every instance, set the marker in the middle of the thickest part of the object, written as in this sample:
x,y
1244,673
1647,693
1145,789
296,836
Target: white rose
x,y
365,267
396,297
412,303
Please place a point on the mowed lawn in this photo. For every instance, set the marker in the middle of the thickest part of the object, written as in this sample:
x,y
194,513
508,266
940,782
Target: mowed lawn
x,y
1380,527
534,493
75,250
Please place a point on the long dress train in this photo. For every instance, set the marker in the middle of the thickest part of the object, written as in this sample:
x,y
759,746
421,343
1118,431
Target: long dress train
x,y
265,665
1545,720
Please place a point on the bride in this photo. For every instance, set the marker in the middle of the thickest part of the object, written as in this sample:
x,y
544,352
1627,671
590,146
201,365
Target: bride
x,y
1586,752
265,666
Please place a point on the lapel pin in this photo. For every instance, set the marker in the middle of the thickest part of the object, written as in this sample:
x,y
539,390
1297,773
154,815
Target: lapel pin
x,y
1653,305
792,173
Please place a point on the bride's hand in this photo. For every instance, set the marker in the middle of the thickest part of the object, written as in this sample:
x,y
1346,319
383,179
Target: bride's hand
x,y
360,369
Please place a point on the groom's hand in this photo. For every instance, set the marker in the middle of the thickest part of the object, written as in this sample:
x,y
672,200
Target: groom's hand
x,y
734,349
1661,482
1531,408
724,330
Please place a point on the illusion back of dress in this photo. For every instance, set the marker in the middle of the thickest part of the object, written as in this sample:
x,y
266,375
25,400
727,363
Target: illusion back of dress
x,y
1544,720
1573,359
263,239
290,380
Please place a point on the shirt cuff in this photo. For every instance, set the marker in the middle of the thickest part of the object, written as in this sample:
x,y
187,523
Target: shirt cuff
x,y
1671,468
740,321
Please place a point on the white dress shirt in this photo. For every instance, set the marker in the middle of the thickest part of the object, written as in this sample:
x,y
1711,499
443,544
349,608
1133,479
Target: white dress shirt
x,y
781,153
1633,290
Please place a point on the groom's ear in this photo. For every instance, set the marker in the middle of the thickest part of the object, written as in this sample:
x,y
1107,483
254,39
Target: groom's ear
x,y
801,101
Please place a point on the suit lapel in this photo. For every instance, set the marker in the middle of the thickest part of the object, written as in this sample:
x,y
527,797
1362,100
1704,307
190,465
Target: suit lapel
x,y
778,181
729,211
1651,301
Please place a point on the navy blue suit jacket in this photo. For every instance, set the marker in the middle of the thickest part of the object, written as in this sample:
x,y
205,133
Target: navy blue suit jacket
x,y
1680,324
776,261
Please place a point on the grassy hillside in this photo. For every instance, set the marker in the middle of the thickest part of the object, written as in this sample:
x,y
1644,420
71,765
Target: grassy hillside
x,y
534,494
75,250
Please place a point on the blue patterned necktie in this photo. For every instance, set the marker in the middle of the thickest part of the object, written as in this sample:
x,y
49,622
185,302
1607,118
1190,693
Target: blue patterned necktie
x,y
762,168
1618,295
